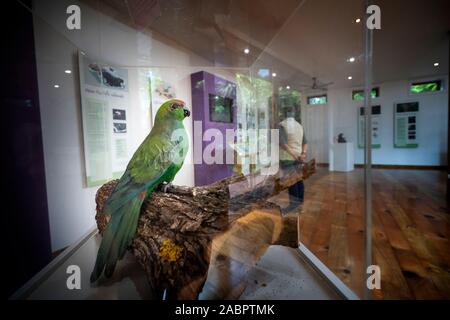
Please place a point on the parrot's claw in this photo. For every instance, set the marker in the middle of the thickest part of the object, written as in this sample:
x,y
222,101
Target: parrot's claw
x,y
166,186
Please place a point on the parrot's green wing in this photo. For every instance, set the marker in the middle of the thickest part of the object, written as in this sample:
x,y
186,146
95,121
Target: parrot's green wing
x,y
152,164
147,168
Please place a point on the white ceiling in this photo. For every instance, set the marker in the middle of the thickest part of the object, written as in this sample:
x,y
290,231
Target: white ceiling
x,y
321,35
299,39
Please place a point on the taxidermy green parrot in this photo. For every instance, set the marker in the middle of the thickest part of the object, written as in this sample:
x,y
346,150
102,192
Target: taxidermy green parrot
x,y
157,160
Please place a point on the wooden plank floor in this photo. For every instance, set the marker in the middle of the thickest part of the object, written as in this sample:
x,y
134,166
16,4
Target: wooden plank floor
x,y
411,230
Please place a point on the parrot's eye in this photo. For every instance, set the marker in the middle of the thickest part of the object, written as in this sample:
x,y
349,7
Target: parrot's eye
x,y
174,106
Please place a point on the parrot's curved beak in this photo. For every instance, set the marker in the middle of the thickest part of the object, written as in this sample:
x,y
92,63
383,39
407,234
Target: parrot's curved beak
x,y
187,113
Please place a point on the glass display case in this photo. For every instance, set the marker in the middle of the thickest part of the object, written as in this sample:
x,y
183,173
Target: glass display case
x,y
289,187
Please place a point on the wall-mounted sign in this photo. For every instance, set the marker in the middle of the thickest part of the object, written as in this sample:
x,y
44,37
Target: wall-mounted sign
x,y
376,141
104,106
405,125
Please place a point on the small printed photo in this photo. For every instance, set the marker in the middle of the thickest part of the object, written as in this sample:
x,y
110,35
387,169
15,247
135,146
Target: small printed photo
x,y
93,73
120,127
411,119
99,75
412,127
119,114
112,77
165,90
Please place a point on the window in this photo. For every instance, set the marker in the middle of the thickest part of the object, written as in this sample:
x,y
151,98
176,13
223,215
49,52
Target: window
x,y
427,86
359,94
317,99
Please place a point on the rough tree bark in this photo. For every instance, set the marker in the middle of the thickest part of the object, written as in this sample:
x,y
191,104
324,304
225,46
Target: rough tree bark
x,y
176,227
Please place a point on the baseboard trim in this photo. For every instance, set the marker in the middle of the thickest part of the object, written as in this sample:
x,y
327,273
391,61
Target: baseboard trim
x,y
403,167
322,165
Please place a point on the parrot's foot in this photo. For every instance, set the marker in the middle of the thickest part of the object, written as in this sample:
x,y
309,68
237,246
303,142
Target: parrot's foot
x,y
166,186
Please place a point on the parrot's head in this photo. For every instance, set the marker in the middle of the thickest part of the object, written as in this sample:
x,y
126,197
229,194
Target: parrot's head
x,y
173,109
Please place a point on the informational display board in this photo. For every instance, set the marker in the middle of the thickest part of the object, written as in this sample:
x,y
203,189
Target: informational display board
x,y
376,119
161,90
405,125
105,106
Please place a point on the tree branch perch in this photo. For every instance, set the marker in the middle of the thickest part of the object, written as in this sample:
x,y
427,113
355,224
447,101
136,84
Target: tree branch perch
x,y
173,241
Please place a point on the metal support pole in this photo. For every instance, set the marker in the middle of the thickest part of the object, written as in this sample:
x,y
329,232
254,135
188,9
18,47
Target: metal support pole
x,y
368,44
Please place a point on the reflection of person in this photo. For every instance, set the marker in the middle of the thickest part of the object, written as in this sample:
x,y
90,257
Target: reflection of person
x,y
293,149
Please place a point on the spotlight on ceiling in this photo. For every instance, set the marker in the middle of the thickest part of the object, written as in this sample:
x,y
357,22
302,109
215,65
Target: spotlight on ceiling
x,y
246,50
349,77
358,20
56,86
288,87
68,71
436,64
351,59
274,74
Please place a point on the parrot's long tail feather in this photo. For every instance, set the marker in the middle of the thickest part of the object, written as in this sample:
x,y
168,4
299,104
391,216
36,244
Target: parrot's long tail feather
x,y
117,237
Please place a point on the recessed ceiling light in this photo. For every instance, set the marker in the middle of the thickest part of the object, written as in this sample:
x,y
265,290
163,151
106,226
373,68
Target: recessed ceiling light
x,y
68,71
274,74
351,59
288,87
349,77
56,86
436,64
358,20
246,50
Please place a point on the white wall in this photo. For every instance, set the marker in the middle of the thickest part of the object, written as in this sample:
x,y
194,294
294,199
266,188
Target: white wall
x,y
315,123
324,122
71,204
432,124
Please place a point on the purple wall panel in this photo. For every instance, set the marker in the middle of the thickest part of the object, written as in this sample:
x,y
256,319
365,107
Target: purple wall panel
x,y
203,84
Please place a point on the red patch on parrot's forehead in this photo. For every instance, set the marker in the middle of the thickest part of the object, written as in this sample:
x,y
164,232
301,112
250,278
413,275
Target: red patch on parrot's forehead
x,y
180,102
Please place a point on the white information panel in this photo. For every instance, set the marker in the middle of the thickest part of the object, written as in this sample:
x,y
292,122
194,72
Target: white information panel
x,y
104,104
376,119
405,125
